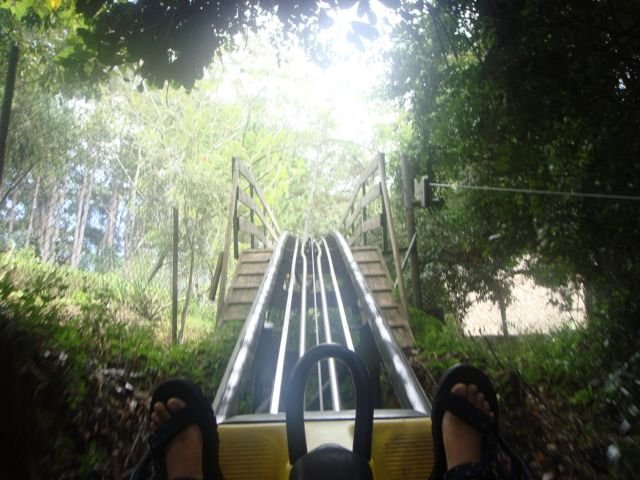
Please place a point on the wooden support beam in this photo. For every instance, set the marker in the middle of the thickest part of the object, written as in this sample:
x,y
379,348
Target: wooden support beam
x,y
250,228
174,280
369,171
253,207
407,183
392,231
244,171
227,237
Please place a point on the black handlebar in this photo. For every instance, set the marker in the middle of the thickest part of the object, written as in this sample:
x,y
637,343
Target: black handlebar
x,y
296,439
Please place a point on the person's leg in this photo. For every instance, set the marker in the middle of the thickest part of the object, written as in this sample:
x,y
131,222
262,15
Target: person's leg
x,y
183,454
462,442
184,437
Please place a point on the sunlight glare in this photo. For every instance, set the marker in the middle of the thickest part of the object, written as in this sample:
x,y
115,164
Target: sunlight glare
x,y
297,89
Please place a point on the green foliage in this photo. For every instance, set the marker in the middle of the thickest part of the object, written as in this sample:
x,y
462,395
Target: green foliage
x,y
571,391
565,360
173,42
74,330
440,343
507,95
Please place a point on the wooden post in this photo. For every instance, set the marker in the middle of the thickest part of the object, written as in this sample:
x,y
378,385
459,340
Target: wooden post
x,y
227,237
7,100
392,232
253,240
407,183
385,230
364,212
174,280
264,225
236,232
216,277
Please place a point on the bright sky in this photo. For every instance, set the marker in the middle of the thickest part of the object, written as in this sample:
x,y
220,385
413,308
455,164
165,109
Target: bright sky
x,y
345,87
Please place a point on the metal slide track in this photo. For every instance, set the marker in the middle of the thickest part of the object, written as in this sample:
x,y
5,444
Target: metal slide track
x,y
312,292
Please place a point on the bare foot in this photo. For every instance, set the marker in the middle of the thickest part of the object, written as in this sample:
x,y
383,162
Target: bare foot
x,y
462,442
183,454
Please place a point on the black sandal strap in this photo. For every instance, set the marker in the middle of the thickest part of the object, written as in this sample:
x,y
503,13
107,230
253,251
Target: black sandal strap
x,y
462,409
178,421
467,471
197,411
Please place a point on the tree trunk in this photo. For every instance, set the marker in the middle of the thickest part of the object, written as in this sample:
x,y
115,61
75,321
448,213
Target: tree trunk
x,y
34,206
131,227
79,210
45,221
7,100
12,212
46,235
41,217
503,314
85,203
185,307
55,216
112,213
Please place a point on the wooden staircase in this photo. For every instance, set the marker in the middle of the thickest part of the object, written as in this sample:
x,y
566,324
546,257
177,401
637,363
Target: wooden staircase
x,y
376,274
246,282
252,266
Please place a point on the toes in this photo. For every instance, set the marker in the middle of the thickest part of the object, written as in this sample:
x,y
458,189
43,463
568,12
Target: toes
x,y
479,400
459,389
155,421
175,404
161,412
469,392
472,391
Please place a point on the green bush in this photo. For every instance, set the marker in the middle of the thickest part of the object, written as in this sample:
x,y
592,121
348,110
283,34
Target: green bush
x,y
73,320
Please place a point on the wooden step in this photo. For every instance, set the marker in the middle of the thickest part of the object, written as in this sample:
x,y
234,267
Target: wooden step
x,y
385,299
364,249
369,269
373,267
235,312
256,256
365,256
242,295
378,283
251,268
404,337
248,281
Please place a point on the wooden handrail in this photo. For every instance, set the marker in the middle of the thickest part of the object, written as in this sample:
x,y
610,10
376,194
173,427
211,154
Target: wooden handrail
x,y
227,236
244,171
253,207
372,194
369,171
235,224
392,233
357,208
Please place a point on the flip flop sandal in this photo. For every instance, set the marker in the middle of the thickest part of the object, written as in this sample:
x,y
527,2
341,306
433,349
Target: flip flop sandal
x,y
488,467
197,411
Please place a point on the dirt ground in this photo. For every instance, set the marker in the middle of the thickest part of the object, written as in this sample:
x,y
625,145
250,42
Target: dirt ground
x,y
533,309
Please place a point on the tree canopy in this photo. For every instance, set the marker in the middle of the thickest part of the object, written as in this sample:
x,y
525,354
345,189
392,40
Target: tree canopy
x,y
170,41
531,95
